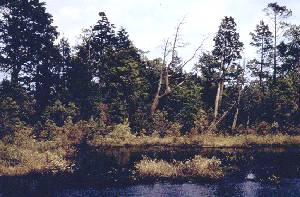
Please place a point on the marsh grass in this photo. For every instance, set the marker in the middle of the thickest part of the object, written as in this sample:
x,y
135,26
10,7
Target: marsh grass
x,y
24,154
204,140
198,167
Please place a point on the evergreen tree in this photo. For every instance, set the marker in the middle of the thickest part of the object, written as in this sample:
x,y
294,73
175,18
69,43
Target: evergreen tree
x,y
61,70
208,68
261,39
27,38
277,14
289,50
80,86
227,49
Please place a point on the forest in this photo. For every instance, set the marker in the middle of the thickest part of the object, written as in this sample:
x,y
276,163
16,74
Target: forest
x,y
104,91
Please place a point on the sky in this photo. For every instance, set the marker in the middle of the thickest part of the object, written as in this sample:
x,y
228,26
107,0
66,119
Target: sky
x,y
150,22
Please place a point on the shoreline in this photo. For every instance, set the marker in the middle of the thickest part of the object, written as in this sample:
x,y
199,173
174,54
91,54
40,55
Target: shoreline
x,y
203,141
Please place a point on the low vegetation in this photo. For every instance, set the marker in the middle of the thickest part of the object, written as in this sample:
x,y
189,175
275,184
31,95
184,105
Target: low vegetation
x,y
201,140
197,167
24,153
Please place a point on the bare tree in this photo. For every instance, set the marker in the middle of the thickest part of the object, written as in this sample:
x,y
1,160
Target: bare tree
x,y
170,50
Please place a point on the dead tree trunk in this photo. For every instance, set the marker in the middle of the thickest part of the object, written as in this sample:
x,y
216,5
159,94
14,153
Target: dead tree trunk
x,y
164,77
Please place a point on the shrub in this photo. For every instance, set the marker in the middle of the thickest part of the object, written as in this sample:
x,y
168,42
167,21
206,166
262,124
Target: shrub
x,y
121,131
9,114
23,153
163,127
263,128
173,129
201,123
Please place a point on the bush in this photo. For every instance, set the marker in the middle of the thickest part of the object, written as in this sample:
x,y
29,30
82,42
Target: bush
x,y
121,131
263,128
173,129
201,123
9,114
163,127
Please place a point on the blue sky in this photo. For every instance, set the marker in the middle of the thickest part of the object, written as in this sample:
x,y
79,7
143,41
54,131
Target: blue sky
x,y
150,22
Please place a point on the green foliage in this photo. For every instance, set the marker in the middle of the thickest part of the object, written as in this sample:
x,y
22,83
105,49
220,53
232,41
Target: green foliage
x,y
58,112
262,39
182,105
28,53
285,100
227,46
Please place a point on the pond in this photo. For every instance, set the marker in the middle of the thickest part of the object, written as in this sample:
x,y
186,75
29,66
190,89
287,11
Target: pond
x,y
109,172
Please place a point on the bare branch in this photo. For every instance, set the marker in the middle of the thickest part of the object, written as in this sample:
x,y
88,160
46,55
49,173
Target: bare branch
x,y
194,54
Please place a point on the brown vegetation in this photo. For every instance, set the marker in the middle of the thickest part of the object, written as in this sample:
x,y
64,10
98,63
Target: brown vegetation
x,y
197,167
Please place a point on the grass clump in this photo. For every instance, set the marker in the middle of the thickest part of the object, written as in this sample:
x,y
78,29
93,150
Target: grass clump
x,y
198,167
202,167
155,168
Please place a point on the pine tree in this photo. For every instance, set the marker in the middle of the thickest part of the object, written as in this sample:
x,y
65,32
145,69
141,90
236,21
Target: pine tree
x,y
61,70
100,46
277,14
262,39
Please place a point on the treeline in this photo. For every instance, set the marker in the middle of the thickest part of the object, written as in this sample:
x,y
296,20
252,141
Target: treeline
x,y
105,80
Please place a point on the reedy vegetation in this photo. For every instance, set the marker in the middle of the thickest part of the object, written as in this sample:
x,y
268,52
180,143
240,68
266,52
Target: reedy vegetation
x,y
197,167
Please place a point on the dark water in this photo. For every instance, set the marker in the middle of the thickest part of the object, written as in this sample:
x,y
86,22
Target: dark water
x,y
244,188
108,172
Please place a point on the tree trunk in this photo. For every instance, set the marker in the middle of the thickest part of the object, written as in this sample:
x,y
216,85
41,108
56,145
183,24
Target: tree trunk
x,y
221,93
215,123
275,51
217,99
248,122
261,66
155,101
15,75
233,127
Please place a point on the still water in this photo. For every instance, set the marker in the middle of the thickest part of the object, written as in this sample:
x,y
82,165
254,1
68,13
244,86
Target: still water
x,y
108,172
